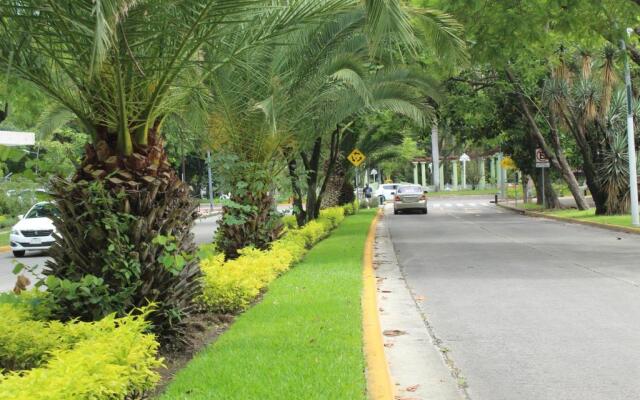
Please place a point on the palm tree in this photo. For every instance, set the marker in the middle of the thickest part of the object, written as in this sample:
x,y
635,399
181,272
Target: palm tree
x,y
122,66
586,97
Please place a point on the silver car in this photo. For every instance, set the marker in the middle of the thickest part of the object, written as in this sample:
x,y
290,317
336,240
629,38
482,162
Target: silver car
x,y
410,197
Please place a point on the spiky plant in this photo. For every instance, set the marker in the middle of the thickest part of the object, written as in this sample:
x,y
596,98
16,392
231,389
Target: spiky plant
x,y
121,66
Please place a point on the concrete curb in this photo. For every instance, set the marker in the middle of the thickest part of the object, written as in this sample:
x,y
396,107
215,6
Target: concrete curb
x,y
5,249
419,366
536,214
379,385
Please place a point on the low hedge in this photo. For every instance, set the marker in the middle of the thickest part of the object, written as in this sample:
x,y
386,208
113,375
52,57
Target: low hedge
x,y
109,359
231,286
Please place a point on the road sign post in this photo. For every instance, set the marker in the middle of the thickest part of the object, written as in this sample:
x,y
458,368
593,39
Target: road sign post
x,y
542,162
356,157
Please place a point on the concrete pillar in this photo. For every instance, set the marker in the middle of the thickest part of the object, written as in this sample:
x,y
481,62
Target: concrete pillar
x,y
464,175
423,167
435,156
483,179
415,173
441,175
454,174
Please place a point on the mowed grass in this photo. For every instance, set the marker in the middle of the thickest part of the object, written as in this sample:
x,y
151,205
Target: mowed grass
x,y
303,341
590,215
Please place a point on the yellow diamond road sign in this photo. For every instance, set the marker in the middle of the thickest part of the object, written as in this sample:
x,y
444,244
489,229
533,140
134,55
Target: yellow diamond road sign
x,y
356,157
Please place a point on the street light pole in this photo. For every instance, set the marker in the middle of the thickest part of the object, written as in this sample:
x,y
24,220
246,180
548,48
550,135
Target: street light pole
x,y
631,143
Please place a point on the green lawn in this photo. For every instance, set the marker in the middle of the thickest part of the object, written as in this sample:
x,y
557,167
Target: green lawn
x,y
303,341
4,238
590,215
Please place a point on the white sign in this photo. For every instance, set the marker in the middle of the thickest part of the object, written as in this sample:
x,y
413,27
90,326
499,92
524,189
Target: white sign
x,y
541,159
10,138
465,158
374,172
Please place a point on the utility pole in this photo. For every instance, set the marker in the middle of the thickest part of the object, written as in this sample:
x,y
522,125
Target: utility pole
x,y
210,181
631,143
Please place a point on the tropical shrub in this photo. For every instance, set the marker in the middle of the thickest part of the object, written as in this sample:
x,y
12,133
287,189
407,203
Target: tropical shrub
x,y
230,286
123,252
109,359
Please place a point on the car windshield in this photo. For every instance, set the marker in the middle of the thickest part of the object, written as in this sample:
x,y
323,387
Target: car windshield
x,y
46,210
388,187
409,190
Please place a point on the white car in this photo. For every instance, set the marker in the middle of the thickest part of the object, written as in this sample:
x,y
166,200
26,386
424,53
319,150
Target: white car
x,y
34,231
386,191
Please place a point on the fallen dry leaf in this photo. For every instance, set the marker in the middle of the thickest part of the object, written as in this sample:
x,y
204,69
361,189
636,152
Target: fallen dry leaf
x,y
419,298
386,291
412,388
388,345
394,332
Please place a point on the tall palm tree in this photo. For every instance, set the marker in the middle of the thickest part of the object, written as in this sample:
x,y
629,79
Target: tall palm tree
x,y
122,66
586,96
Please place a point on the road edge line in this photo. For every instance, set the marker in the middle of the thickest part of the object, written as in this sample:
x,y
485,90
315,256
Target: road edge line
x,y
379,385
536,214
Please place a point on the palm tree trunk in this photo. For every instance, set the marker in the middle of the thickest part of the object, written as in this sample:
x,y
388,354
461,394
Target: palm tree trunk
x,y
298,209
111,212
312,165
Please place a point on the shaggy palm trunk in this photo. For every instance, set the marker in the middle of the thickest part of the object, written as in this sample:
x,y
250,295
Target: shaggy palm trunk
x,y
312,165
298,208
251,219
110,214
333,195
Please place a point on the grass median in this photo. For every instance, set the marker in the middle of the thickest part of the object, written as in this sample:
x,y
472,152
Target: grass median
x,y
302,341
590,215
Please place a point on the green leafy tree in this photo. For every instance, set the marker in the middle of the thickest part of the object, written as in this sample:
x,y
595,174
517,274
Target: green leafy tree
x,y
121,67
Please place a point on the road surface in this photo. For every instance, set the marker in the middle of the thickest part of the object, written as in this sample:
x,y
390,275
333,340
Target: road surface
x,y
526,309
203,232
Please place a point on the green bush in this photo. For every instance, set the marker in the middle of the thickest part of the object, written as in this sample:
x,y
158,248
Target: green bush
x,y
290,221
230,286
109,359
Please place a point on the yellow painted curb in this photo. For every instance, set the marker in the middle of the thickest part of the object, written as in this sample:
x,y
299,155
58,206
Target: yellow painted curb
x,y
5,249
379,386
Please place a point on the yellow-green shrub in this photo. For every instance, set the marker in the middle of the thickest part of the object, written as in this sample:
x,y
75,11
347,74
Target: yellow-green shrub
x,y
290,221
232,285
109,359
25,343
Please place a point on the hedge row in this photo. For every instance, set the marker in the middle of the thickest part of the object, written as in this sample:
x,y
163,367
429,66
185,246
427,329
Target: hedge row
x,y
231,286
110,359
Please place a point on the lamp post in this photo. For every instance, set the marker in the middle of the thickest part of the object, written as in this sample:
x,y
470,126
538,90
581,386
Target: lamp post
x,y
633,173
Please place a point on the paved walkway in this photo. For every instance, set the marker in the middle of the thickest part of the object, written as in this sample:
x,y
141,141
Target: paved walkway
x,y
526,309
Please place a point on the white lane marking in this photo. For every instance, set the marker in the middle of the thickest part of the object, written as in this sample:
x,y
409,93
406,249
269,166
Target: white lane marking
x,y
448,205
459,205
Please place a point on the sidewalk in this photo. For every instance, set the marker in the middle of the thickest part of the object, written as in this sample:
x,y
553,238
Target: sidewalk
x,y
417,364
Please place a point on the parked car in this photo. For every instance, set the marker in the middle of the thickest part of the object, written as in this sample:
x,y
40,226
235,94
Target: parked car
x,y
34,231
410,198
386,191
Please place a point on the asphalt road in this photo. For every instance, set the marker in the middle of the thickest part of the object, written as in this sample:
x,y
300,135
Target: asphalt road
x,y
526,309
203,232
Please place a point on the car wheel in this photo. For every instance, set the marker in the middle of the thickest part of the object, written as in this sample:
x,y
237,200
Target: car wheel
x,y
381,200
425,211
396,212
18,253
